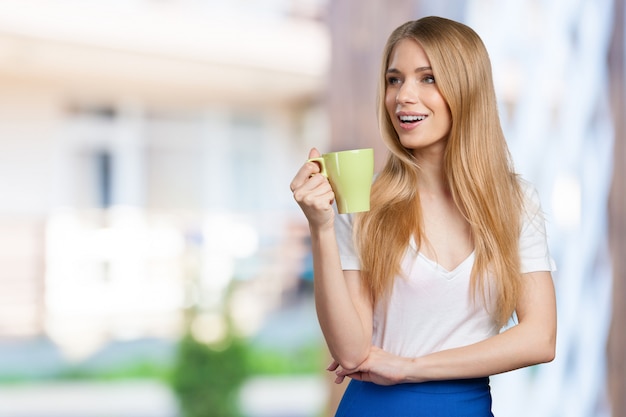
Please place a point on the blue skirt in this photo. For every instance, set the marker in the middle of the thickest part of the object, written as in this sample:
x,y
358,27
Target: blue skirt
x,y
457,398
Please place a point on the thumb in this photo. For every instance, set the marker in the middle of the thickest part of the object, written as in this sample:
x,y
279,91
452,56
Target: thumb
x,y
314,153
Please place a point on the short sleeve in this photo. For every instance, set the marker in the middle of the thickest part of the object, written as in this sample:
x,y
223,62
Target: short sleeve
x,y
343,231
533,244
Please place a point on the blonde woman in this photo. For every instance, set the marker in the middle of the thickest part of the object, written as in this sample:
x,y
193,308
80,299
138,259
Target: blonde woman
x,y
413,295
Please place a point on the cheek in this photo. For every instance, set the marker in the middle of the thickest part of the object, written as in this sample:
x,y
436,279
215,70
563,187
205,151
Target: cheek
x,y
390,105
440,107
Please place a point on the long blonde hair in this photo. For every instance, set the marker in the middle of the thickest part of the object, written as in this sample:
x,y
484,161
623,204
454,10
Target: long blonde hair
x,y
478,171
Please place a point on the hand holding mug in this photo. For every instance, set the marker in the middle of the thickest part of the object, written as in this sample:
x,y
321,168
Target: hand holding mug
x,y
313,192
345,176
350,174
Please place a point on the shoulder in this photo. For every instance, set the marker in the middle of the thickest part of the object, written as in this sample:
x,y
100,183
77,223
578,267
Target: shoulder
x,y
531,203
528,189
534,252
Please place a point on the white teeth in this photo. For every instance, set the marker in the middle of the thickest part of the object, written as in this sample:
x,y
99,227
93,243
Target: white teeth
x,y
412,118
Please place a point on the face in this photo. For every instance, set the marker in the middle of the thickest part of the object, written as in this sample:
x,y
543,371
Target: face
x,y
419,113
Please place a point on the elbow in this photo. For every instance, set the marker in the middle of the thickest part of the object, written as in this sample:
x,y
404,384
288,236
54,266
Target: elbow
x,y
550,348
539,344
550,353
352,360
546,355
351,363
545,350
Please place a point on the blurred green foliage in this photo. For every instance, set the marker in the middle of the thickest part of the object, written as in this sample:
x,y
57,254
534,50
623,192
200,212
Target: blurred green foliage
x,y
207,379
305,359
140,369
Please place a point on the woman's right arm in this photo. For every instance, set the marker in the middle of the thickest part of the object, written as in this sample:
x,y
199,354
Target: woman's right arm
x,y
343,304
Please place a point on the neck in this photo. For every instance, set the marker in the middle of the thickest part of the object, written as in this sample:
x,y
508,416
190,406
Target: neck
x,y
431,179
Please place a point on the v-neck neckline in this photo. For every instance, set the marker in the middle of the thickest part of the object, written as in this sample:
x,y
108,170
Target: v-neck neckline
x,y
447,274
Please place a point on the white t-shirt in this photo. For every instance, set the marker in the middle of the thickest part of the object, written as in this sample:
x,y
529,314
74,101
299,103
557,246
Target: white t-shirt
x,y
431,309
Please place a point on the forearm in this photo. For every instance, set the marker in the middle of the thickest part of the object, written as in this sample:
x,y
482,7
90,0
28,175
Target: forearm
x,y
346,328
530,342
515,348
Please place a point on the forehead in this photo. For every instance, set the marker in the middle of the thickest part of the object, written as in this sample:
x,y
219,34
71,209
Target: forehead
x,y
408,52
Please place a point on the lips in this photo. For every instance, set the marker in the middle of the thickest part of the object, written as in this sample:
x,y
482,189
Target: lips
x,y
409,120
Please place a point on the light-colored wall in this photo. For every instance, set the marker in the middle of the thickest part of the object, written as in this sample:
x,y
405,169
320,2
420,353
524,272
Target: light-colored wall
x,y
209,120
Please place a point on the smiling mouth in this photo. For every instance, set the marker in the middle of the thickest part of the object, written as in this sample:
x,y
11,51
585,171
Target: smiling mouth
x,y
411,119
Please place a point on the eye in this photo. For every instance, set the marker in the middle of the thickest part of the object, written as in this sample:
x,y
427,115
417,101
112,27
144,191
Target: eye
x,y
393,80
428,79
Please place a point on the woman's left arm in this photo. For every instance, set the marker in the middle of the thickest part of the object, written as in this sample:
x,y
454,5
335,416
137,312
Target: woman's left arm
x,y
530,342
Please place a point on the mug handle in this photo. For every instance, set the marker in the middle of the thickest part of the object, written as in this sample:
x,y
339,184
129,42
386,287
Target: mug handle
x,y
320,160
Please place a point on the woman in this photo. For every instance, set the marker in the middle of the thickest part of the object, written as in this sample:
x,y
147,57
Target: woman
x,y
412,295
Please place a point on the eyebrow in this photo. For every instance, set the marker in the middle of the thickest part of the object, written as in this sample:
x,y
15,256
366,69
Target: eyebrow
x,y
419,69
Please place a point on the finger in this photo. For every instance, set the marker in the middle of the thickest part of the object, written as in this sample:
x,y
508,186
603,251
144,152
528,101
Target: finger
x,y
313,190
318,201
314,153
305,172
333,366
317,184
355,375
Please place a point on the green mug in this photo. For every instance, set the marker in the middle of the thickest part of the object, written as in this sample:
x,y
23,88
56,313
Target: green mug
x,y
350,174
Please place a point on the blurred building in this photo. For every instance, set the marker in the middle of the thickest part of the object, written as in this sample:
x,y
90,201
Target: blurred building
x,y
144,147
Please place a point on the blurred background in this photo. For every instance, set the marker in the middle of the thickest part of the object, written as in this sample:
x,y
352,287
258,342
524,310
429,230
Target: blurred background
x,y
153,262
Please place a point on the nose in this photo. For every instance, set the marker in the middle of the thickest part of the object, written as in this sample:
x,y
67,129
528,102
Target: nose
x,y
407,93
